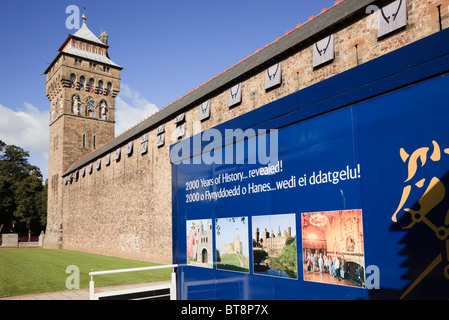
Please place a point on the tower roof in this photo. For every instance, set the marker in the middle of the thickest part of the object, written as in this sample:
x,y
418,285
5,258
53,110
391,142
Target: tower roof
x,y
86,34
90,56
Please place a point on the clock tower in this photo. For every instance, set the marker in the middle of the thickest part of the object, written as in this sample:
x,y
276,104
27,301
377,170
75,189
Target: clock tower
x,y
82,83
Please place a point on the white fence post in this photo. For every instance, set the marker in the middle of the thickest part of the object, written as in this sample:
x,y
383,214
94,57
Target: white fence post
x,y
91,289
173,285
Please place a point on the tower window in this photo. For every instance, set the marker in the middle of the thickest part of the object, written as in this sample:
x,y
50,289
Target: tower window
x,y
104,110
76,104
91,84
72,80
94,142
90,108
53,112
109,89
61,106
82,83
84,140
100,86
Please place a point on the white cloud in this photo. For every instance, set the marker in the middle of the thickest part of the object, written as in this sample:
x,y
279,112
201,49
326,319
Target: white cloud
x,y
27,129
130,109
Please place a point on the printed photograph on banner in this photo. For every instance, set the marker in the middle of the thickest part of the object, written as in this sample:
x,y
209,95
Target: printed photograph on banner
x,y
199,243
232,244
332,247
274,245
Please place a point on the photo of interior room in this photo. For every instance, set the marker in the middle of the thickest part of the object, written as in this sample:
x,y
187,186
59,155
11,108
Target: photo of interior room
x,y
332,246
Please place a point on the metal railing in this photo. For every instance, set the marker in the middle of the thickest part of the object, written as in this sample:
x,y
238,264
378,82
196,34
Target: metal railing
x,y
171,286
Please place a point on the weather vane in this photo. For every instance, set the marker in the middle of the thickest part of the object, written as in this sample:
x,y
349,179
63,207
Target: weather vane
x,y
84,14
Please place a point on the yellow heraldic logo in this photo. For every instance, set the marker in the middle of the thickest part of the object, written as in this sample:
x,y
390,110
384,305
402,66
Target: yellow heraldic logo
x,y
433,195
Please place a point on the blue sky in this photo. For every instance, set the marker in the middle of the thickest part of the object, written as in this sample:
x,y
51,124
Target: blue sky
x,y
274,223
166,47
229,229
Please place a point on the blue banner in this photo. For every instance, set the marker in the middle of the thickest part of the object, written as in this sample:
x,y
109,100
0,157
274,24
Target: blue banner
x,y
350,203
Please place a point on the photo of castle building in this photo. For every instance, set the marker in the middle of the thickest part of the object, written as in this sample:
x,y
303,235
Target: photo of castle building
x,y
199,243
232,244
274,253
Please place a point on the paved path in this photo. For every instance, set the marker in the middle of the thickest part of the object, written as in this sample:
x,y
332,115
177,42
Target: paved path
x,y
82,294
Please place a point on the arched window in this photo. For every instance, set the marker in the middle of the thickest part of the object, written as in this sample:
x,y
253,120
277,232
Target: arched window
x,y
90,108
100,86
72,80
91,85
109,89
61,106
82,83
104,110
76,104
53,112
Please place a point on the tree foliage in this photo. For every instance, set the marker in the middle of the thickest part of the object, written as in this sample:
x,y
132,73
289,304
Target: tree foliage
x,y
288,257
23,196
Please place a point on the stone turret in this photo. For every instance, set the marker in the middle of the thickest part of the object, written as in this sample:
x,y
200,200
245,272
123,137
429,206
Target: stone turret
x,y
103,37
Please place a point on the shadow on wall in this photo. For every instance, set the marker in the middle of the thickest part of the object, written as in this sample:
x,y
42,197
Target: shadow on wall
x,y
426,242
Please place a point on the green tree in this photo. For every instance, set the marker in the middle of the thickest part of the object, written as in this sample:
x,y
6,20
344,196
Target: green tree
x,y
22,193
42,205
275,264
27,202
287,257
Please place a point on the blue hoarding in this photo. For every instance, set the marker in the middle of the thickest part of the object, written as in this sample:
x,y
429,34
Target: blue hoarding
x,y
335,192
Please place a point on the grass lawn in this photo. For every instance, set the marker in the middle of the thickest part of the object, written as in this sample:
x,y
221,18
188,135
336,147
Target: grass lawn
x,y
230,261
29,271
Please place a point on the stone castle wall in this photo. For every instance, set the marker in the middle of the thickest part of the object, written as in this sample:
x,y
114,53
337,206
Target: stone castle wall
x,y
125,209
